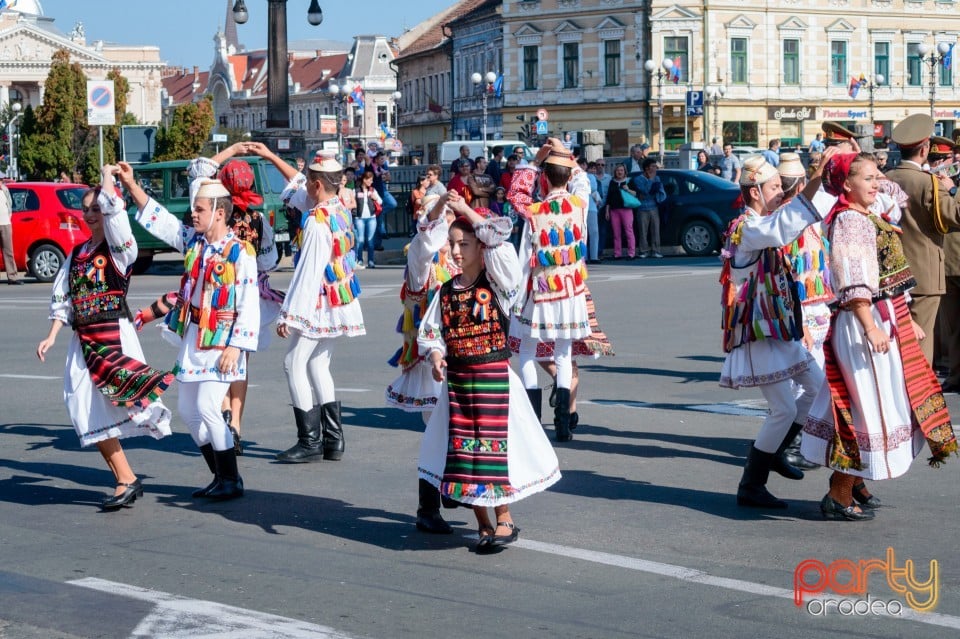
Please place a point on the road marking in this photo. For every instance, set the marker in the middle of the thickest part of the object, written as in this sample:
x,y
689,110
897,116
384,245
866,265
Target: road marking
x,y
9,376
177,617
742,408
652,275
692,575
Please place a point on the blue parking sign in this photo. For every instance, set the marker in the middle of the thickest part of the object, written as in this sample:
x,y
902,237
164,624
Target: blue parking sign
x,y
542,127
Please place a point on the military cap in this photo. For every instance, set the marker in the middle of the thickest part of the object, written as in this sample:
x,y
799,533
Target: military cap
x,y
914,130
941,147
835,133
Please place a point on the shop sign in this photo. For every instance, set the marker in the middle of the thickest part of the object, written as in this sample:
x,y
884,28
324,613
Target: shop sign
x,y
790,113
946,114
844,114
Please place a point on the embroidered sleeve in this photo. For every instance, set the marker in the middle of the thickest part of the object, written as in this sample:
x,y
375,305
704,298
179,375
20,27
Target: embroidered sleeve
x,y
202,168
520,194
163,225
579,184
429,337
501,261
116,228
306,284
247,327
779,228
430,238
61,307
854,270
298,183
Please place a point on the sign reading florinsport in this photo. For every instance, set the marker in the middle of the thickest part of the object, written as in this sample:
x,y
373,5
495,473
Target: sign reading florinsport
x,y
791,113
843,114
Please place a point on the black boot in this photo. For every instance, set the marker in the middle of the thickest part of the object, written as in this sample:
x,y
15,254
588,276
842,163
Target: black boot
x,y
333,444
793,457
753,485
309,446
207,451
780,465
561,416
230,485
428,514
535,395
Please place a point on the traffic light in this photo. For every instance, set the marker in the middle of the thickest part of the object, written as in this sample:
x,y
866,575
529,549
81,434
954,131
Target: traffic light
x,y
522,117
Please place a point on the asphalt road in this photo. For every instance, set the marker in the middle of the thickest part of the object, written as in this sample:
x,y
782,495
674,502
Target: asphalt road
x,y
641,537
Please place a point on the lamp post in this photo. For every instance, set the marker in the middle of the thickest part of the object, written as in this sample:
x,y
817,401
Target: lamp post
x,y
339,95
278,98
12,166
871,86
660,73
928,56
713,96
397,95
490,77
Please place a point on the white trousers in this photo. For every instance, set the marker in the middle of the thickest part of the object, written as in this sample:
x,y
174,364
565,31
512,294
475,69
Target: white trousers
x,y
562,357
789,401
199,405
307,365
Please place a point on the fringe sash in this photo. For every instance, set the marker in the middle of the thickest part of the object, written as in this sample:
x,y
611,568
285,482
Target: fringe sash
x,y
122,379
926,399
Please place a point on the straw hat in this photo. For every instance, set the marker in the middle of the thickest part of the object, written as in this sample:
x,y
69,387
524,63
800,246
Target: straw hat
x,y
212,189
791,166
559,154
325,162
756,170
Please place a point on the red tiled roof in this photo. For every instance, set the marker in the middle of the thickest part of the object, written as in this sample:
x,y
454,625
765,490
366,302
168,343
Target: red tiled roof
x,y
434,36
179,84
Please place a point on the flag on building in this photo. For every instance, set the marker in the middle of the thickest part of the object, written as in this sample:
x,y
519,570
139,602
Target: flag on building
x,y
854,87
7,4
948,57
432,105
498,86
356,96
676,71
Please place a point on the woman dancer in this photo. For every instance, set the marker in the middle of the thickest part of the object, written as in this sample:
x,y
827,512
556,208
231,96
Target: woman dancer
x,y
882,399
110,393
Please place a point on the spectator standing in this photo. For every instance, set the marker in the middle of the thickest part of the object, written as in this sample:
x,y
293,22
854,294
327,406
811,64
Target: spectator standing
x,y
636,157
381,182
730,165
6,235
480,185
603,187
493,167
715,147
458,182
772,154
463,159
434,185
650,192
506,177
816,145
369,207
593,213
619,214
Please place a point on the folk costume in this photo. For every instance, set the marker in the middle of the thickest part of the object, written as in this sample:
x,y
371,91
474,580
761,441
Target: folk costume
x,y
483,444
761,321
109,391
217,307
321,304
876,411
552,306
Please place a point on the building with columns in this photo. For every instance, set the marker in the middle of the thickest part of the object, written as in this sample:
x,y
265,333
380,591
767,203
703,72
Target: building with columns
x,y
28,39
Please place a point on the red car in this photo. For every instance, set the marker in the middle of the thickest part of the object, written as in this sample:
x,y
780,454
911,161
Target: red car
x,y
47,224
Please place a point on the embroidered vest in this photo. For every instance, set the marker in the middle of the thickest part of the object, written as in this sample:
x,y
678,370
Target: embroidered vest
x,y
98,291
217,275
758,299
415,304
340,283
895,274
474,327
808,256
556,265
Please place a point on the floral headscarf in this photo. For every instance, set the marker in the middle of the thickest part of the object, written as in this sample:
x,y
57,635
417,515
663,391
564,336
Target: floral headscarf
x,y
237,177
835,173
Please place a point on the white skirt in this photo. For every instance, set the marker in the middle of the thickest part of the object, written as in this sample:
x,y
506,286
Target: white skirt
x,y
94,417
764,362
882,418
531,461
328,321
415,391
561,319
200,365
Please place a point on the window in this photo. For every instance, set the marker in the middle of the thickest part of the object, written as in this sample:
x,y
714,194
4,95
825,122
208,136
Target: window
x,y
741,133
946,72
611,63
675,49
571,65
790,134
381,114
738,61
28,200
881,60
914,65
838,62
531,67
791,61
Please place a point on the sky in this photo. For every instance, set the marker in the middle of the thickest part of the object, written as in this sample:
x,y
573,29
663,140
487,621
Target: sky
x,y
184,29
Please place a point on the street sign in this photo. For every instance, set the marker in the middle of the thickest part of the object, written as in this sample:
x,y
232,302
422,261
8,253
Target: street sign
x,y
100,109
694,103
218,137
542,115
542,127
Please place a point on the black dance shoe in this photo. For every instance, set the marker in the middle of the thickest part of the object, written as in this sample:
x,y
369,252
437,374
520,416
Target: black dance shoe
x,y
128,496
503,540
433,524
833,510
866,501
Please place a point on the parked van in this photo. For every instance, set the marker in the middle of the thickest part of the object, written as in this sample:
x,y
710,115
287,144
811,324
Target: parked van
x,y
450,151
169,184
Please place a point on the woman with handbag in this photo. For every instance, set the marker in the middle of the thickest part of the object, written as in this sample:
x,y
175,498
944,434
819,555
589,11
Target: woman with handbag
x,y
369,206
620,202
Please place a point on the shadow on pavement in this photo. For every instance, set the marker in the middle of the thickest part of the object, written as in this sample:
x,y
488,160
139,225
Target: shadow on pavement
x,y
685,376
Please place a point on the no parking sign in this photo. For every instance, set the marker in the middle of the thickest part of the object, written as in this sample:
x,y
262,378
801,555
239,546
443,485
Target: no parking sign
x,y
100,107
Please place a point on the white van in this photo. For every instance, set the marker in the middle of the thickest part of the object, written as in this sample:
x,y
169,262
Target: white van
x,y
450,151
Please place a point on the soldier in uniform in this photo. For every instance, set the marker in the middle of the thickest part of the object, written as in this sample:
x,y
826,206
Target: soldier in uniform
x,y
835,134
941,156
931,212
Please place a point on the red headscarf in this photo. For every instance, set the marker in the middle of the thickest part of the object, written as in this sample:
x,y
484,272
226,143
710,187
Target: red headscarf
x,y
237,177
835,173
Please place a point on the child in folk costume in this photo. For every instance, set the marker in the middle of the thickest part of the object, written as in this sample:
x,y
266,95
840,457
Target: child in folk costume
x,y
110,393
483,445
762,321
428,267
882,400
553,305
321,304
217,318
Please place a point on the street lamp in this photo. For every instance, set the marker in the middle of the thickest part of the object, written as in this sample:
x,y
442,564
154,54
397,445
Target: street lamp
x,y
12,166
932,59
490,78
713,96
339,95
396,112
871,86
661,72
278,98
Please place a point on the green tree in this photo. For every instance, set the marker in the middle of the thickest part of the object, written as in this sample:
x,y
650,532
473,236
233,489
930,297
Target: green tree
x,y
188,131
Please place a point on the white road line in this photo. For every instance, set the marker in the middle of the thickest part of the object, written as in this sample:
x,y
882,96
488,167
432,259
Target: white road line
x,y
176,617
745,408
10,376
692,575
